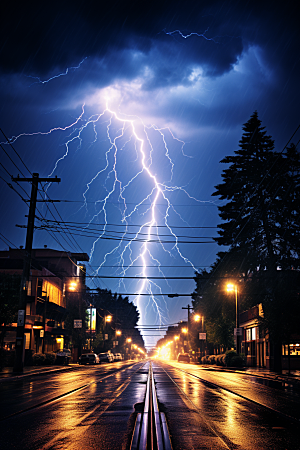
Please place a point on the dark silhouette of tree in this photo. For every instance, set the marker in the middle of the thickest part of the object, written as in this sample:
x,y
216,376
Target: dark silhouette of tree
x,y
261,226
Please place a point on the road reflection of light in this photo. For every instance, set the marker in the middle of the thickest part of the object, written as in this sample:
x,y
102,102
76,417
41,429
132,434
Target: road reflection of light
x,y
118,376
184,383
230,413
92,388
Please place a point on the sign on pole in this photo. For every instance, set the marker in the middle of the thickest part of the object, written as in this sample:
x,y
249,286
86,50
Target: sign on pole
x,y
238,331
77,323
202,336
21,318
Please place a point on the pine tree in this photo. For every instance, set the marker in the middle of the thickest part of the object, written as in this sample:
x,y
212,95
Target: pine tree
x,y
252,188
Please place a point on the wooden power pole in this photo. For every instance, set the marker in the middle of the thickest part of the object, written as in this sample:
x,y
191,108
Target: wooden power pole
x,y
20,341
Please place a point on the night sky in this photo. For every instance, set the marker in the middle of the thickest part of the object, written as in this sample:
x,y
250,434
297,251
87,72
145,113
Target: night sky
x,y
133,104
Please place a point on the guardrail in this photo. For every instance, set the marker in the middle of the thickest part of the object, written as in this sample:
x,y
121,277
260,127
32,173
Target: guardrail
x,y
151,429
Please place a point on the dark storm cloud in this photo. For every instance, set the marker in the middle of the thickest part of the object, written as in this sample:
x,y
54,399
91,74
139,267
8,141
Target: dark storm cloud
x,y
38,36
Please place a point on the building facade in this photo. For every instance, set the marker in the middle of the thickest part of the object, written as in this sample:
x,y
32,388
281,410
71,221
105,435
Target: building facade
x,y
54,276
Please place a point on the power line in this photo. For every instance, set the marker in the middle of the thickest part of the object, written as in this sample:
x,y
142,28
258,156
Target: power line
x,y
132,225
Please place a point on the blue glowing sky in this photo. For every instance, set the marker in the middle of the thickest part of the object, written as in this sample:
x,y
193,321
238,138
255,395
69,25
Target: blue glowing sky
x,y
133,105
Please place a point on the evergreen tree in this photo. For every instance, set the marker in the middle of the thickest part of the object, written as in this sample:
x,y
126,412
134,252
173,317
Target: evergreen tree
x,y
253,193
261,227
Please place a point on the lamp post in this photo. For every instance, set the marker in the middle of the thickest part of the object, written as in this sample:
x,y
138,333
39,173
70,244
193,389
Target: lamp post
x,y
197,319
107,319
128,340
233,288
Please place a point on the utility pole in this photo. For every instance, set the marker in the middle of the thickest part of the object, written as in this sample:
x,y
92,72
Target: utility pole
x,y
188,307
20,341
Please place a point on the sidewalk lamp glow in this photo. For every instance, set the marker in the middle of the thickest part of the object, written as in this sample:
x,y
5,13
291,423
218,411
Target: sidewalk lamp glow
x,y
184,330
197,317
118,332
73,285
230,287
128,340
108,318
176,338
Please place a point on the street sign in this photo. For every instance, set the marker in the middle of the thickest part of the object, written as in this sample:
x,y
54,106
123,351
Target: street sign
x,y
202,336
238,331
21,318
77,323
106,337
42,333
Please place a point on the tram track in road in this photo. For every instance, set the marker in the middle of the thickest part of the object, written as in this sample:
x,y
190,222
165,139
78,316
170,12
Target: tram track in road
x,y
64,395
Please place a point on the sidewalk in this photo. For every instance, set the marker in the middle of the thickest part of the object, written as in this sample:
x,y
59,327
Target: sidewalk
x,y
7,373
291,379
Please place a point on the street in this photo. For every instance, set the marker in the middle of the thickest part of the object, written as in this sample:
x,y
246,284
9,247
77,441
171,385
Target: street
x,y
95,407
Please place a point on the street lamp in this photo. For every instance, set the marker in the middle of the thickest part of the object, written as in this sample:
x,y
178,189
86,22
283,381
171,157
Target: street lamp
x,y
233,288
73,286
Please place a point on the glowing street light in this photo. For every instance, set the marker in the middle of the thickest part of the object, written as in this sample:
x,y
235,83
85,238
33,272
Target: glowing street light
x,y
230,287
73,286
197,317
108,318
118,332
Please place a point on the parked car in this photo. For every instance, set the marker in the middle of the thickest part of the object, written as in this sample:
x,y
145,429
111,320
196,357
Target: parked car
x,y
89,358
106,357
183,357
63,356
118,357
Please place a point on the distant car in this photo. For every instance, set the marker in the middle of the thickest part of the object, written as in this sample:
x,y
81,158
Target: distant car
x,y
183,357
106,357
118,357
89,358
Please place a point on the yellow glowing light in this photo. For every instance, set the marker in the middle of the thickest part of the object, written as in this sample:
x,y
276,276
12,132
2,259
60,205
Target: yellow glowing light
x,y
118,332
197,318
230,287
108,318
73,286
184,330
128,340
176,338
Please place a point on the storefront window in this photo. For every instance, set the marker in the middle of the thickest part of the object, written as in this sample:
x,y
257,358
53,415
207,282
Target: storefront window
x,y
295,349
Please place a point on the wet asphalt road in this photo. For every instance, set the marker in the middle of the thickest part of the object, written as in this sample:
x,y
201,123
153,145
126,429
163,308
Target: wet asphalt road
x,y
94,407
219,410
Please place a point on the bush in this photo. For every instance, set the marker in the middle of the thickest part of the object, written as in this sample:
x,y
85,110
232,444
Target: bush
x,y
232,359
205,359
220,360
50,358
38,359
212,359
7,358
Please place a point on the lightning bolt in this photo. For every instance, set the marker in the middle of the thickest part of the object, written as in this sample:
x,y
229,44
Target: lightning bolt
x,y
61,74
186,36
148,180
